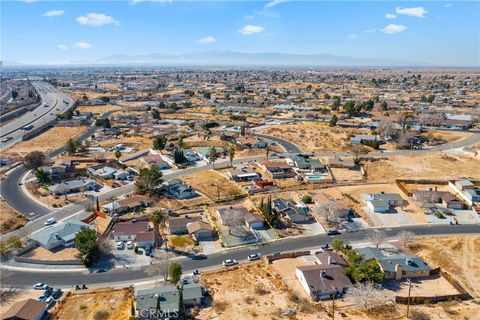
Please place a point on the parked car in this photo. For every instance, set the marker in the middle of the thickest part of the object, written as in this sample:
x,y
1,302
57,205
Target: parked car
x,y
333,233
40,286
325,246
48,292
253,256
50,302
130,245
229,262
49,222
57,293
42,298
120,245
148,251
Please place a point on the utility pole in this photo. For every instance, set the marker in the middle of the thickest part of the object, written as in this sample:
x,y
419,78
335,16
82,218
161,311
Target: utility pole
x,y
408,299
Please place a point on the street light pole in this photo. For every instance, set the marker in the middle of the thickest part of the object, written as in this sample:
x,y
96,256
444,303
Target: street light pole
x,y
408,299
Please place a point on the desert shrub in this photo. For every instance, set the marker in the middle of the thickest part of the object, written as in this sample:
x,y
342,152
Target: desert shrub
x,y
100,315
419,315
260,291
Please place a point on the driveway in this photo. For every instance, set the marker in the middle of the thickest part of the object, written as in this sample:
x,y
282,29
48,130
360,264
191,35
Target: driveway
x,y
209,246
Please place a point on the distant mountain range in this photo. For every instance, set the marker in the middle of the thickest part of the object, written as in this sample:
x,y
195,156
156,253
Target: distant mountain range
x,y
232,58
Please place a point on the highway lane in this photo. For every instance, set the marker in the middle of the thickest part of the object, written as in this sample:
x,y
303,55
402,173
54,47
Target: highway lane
x,y
66,278
38,117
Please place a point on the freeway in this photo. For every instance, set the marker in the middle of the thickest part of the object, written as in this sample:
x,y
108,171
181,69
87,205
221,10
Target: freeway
x,y
24,278
53,103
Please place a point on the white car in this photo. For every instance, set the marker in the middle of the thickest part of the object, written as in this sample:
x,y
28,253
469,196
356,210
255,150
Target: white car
x,y
130,245
253,256
40,286
49,222
229,262
120,245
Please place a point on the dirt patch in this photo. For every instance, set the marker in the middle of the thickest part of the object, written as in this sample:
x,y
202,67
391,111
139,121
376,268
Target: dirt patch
x,y
212,184
48,141
458,256
40,253
439,166
253,291
136,142
115,304
99,109
10,219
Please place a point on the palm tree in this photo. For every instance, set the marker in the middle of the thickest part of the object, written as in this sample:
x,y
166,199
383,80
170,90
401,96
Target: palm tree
x,y
231,154
158,217
213,156
267,151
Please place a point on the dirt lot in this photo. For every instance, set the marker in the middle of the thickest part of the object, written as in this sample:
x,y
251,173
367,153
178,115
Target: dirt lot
x,y
10,219
136,142
52,139
99,109
458,256
86,304
44,254
440,166
314,136
212,184
436,137
252,291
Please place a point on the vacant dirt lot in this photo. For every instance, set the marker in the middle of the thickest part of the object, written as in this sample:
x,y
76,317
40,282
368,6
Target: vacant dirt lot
x,y
252,291
212,184
114,304
9,218
99,109
136,142
440,166
459,256
43,254
50,140
314,136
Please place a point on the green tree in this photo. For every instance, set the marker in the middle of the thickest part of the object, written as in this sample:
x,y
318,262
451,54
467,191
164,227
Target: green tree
x,y
156,114
333,121
384,105
337,244
72,146
149,179
213,154
231,154
336,104
267,151
14,242
42,176
34,160
118,154
307,199
86,244
159,142
175,272
349,108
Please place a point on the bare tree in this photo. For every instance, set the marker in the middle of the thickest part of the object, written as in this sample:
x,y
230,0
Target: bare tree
x,y
386,129
331,212
8,294
163,266
426,200
89,205
377,237
366,295
405,237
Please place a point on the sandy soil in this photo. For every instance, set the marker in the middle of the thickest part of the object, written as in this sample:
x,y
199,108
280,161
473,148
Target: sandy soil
x,y
429,166
52,139
459,256
252,291
44,254
9,218
83,305
314,136
212,184
447,136
136,142
15,296
99,109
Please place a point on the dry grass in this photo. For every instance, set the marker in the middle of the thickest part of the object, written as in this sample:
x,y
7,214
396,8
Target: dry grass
x,y
136,142
40,253
212,184
10,219
50,140
84,305
99,109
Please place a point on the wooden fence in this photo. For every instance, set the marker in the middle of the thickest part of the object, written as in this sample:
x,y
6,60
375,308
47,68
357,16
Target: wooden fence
x,y
402,182
290,255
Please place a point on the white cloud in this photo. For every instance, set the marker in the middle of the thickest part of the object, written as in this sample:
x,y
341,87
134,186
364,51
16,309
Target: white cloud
x,y
82,45
207,40
418,12
370,30
273,3
250,29
394,28
390,16
352,36
54,13
62,47
448,5
96,19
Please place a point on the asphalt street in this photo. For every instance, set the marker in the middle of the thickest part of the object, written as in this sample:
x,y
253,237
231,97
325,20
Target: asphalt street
x,y
24,278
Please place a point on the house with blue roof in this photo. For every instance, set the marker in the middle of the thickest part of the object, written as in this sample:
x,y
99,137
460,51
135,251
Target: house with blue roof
x,y
59,234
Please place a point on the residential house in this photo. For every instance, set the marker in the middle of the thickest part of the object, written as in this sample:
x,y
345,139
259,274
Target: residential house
x,y
145,239
59,234
191,155
128,230
179,225
192,294
276,169
243,174
254,220
230,215
324,280
383,202
447,199
344,163
296,213
105,172
158,303
29,309
362,138
154,160
399,266
303,163
200,230
251,142
71,186
178,189
130,204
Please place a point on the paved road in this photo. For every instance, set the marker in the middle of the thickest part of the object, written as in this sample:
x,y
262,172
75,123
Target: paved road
x,y
287,145
65,279
38,117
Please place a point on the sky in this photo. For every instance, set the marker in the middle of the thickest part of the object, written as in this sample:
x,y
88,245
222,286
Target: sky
x,y
58,32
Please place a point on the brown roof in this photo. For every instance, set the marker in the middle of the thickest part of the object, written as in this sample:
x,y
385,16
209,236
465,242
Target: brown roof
x,y
130,228
274,164
322,278
181,222
335,259
253,217
25,310
145,236
153,159
198,225
133,202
